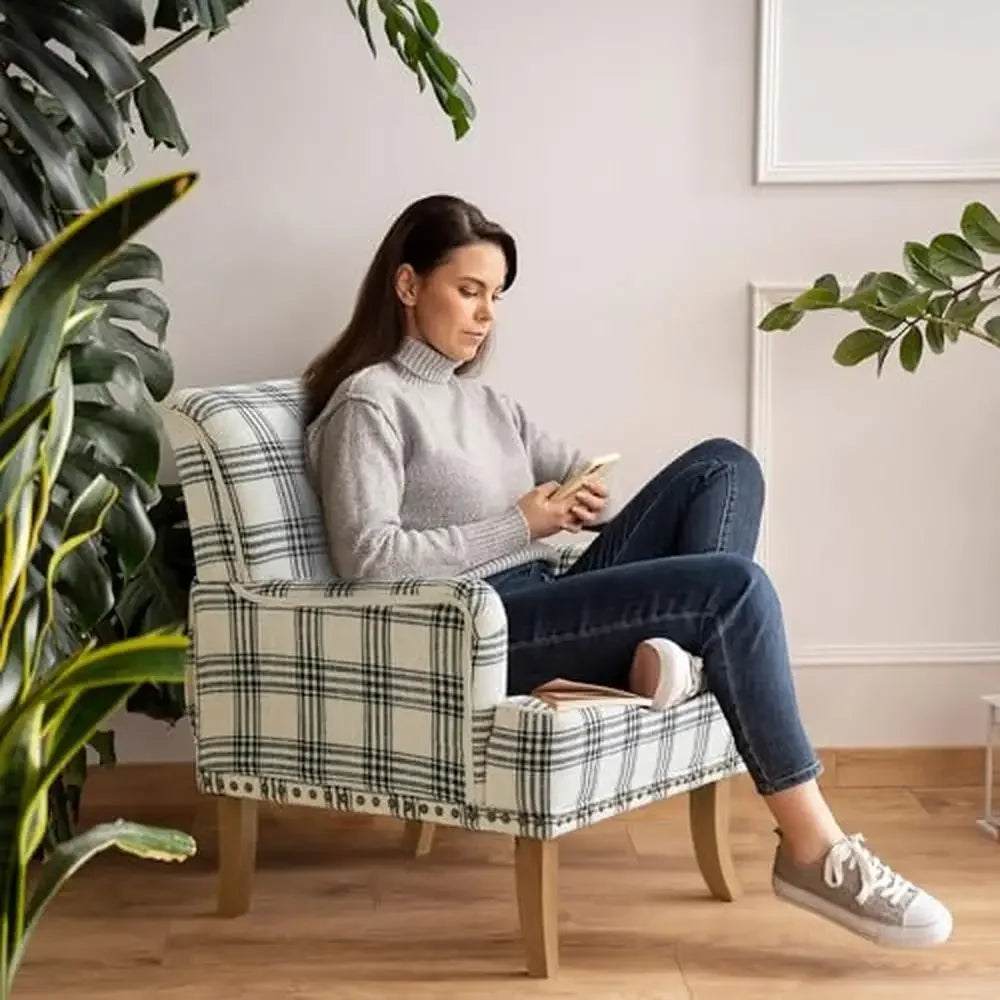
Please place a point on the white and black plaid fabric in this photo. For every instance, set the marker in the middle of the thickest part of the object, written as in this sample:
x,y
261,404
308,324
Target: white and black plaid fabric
x,y
241,459
384,698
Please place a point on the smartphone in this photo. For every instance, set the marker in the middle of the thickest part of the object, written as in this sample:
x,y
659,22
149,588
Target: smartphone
x,y
594,467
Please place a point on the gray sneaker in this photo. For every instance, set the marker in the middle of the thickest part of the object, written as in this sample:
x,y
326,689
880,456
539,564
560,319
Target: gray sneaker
x,y
853,888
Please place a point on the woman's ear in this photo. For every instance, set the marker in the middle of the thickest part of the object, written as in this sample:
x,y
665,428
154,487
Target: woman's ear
x,y
406,285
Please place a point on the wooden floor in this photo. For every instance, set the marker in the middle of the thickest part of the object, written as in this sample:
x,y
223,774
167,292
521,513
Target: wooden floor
x,y
340,912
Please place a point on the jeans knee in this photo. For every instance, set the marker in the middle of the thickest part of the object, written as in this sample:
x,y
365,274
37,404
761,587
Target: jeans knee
x,y
736,455
747,580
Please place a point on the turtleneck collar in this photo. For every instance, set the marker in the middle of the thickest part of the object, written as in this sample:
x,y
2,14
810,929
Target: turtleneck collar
x,y
424,362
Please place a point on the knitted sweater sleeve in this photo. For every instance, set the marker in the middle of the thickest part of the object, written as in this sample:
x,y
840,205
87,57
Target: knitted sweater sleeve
x,y
552,459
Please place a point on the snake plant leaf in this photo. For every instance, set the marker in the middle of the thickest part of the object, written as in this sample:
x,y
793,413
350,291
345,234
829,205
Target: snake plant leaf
x,y
21,827
73,725
127,530
157,656
60,425
16,426
147,842
82,520
83,591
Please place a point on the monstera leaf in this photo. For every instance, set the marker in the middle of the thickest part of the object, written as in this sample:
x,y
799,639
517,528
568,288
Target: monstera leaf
x,y
118,368
73,78
67,105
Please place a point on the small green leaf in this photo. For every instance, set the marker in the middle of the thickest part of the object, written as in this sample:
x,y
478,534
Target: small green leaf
x,y
910,306
859,345
938,304
911,349
824,293
966,311
935,336
993,329
365,22
865,293
429,16
950,254
814,298
918,263
879,318
782,317
892,287
981,227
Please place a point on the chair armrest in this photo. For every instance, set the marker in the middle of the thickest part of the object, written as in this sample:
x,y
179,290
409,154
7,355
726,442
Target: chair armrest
x,y
366,685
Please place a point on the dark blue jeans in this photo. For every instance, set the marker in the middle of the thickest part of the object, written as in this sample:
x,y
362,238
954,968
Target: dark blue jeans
x,y
677,561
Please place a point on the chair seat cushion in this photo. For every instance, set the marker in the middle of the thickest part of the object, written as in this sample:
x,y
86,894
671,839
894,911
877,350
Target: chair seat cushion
x,y
559,769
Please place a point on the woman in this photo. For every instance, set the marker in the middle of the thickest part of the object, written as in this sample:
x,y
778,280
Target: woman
x,y
423,472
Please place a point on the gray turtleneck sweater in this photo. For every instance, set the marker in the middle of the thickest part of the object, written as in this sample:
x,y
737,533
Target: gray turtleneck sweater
x,y
419,472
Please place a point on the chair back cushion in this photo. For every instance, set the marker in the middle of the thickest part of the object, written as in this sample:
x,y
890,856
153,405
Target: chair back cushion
x,y
240,456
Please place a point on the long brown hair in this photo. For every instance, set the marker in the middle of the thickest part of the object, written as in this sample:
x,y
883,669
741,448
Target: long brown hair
x,y
423,236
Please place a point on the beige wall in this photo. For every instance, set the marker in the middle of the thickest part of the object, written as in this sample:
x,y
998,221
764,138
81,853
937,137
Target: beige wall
x,y
620,149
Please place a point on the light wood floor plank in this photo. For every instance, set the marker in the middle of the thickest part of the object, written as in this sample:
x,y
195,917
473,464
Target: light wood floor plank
x,y
341,911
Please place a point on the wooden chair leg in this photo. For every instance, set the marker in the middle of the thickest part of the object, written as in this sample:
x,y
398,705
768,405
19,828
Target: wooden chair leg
x,y
709,812
418,837
237,854
536,863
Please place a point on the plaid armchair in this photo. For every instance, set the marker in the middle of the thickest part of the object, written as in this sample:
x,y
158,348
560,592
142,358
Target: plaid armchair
x,y
391,698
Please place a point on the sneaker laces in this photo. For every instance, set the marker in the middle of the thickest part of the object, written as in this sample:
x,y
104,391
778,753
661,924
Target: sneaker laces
x,y
876,876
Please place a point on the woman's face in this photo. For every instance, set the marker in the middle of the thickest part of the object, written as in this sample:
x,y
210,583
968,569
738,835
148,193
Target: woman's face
x,y
452,307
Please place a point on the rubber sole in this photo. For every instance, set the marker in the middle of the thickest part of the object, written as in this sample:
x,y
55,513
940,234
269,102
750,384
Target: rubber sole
x,y
888,935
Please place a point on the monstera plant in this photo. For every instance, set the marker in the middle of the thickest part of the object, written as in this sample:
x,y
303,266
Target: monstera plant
x,y
951,289
51,701
77,84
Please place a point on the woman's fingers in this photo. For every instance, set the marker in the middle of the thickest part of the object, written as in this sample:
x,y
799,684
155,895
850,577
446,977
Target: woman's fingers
x,y
590,500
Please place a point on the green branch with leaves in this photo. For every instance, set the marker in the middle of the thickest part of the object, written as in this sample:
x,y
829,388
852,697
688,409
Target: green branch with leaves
x,y
948,293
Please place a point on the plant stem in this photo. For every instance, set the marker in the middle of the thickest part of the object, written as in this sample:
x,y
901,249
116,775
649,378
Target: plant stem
x,y
977,283
170,47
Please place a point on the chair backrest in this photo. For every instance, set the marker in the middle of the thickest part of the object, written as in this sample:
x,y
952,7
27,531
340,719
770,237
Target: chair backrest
x,y
240,456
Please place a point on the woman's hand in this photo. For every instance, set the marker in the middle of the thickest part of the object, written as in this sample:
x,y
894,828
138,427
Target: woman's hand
x,y
589,501
546,517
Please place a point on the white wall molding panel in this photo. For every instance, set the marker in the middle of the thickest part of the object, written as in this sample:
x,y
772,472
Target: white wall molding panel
x,y
877,90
